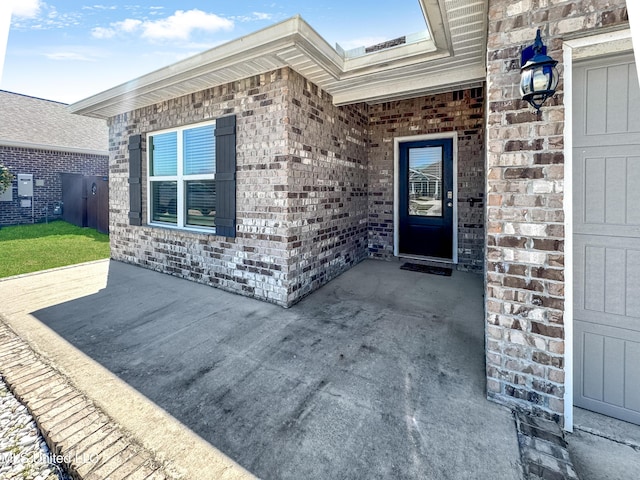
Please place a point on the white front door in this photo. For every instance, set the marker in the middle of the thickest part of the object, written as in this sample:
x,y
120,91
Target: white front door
x,y
606,179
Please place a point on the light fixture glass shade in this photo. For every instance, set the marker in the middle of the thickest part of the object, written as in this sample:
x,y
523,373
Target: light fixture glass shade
x,y
538,76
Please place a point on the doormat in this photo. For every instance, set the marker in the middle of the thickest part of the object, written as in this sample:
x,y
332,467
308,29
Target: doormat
x,y
416,267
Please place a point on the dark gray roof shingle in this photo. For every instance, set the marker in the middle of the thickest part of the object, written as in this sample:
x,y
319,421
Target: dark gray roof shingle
x,y
46,123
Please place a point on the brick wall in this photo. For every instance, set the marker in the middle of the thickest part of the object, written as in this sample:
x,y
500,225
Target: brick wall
x,y
301,190
525,220
46,165
326,187
460,111
255,262
305,206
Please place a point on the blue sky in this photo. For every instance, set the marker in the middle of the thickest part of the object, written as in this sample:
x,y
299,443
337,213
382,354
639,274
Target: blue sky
x,y
68,50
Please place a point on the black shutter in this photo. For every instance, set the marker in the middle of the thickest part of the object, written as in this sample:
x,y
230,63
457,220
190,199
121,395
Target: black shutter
x,y
135,180
226,176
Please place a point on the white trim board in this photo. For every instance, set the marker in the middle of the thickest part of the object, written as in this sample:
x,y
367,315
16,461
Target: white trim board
x,y
447,58
396,190
634,22
577,49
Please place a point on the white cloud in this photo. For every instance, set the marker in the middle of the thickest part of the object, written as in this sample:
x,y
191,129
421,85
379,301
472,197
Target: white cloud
x,y
255,16
262,16
181,24
178,26
39,15
103,33
68,56
129,25
126,26
99,7
25,8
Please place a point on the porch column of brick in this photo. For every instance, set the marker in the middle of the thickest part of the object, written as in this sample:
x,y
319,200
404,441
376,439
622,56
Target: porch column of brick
x,y
525,218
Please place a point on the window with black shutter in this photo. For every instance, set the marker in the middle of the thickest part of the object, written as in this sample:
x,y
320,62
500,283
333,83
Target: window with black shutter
x,y
135,185
191,181
226,176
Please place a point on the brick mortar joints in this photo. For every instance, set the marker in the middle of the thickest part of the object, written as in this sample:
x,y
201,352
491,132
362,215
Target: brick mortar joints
x,y
49,427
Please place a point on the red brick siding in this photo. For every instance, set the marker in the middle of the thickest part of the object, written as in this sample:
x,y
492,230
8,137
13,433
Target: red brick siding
x,y
45,165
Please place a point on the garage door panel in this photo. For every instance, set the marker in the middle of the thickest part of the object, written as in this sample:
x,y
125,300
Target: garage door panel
x,y
593,368
594,199
633,285
617,111
607,280
632,377
596,123
606,191
609,381
633,192
605,100
615,190
594,278
606,237
615,281
614,365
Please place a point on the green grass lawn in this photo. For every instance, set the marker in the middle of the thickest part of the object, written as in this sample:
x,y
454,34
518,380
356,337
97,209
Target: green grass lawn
x,y
30,248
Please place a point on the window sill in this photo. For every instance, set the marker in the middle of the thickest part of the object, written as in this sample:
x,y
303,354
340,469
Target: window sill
x,y
202,231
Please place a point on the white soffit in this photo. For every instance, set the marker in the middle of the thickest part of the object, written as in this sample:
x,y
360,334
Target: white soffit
x,y
453,56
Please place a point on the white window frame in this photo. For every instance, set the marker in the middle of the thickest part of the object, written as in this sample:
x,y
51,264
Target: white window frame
x,y
180,178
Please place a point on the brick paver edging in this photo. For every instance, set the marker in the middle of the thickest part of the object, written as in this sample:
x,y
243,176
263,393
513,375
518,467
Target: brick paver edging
x,y
84,439
543,449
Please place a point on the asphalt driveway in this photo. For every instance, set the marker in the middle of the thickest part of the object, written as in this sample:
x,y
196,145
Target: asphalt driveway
x,y
380,374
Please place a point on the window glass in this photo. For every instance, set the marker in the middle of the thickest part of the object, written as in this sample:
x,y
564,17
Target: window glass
x,y
425,181
164,202
182,188
201,202
199,151
165,154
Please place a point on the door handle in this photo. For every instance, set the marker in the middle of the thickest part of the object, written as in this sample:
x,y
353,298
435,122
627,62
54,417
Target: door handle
x,y
449,204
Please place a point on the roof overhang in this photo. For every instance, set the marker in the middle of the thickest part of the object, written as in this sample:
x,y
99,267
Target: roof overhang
x,y
452,56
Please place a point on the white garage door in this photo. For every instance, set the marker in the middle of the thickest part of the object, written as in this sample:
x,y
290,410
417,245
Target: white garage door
x,y
606,132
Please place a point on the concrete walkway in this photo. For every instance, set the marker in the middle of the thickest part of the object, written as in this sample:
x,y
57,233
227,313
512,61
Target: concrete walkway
x,y
380,374
603,447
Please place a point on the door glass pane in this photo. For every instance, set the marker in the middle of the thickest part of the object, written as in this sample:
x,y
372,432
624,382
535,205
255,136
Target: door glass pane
x,y
425,181
201,202
199,151
164,157
164,202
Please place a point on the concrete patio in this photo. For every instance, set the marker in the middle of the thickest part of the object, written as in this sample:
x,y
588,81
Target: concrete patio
x,y
380,374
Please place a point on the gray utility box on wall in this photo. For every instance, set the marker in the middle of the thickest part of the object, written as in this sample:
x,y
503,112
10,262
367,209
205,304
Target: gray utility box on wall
x,y
25,185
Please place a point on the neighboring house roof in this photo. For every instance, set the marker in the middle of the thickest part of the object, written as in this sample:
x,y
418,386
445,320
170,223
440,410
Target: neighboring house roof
x,y
36,123
451,55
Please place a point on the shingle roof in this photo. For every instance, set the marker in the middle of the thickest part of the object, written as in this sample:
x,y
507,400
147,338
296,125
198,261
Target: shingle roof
x,y
42,123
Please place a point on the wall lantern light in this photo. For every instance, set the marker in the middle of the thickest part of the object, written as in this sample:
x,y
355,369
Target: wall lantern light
x,y
538,74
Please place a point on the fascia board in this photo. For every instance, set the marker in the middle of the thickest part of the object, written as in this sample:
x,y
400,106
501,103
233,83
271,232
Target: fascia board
x,y
442,81
319,48
273,40
267,40
432,11
413,54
